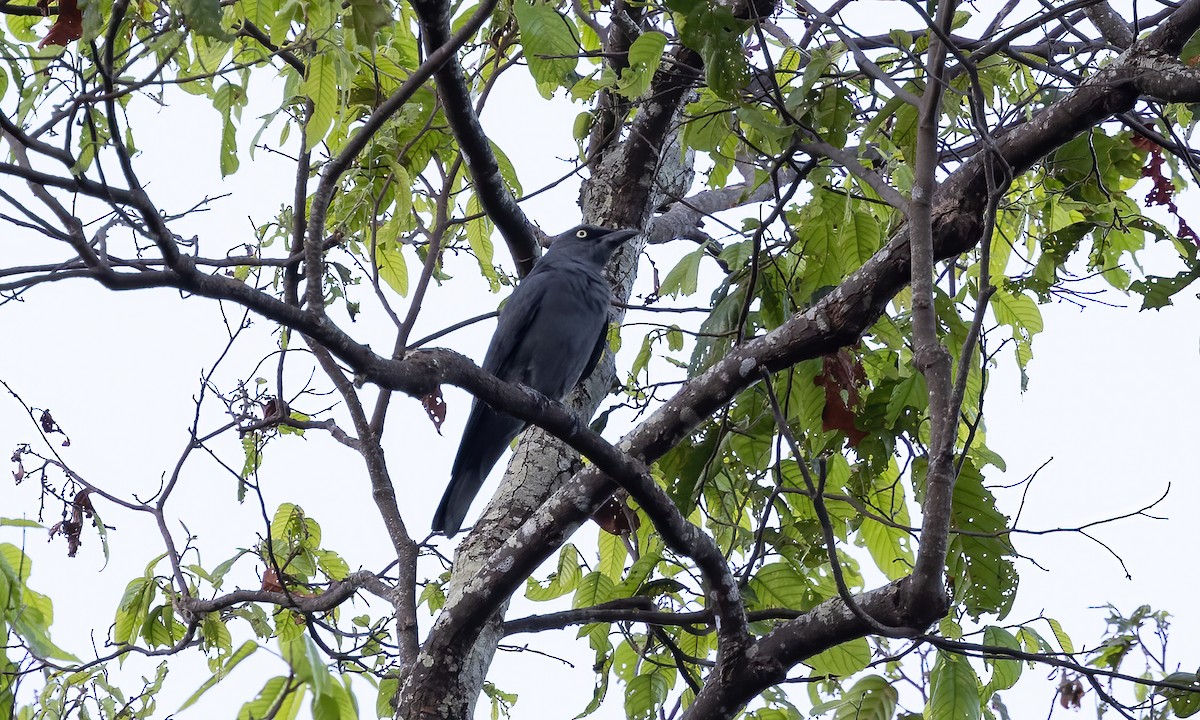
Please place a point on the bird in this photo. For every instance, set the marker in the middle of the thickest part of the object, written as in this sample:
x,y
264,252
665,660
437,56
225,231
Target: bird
x,y
550,335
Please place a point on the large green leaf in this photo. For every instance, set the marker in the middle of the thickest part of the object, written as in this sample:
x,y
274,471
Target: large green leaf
x,y
870,698
644,695
1005,673
563,581
644,56
841,660
550,44
953,689
321,86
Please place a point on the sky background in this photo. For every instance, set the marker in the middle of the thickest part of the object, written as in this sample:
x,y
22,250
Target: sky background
x,y
1108,403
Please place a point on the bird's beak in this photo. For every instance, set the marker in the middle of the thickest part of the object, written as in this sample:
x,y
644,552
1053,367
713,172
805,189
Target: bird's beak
x,y
619,237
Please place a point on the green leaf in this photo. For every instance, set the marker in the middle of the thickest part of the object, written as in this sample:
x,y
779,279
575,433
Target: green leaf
x,y
910,393
132,610
1183,703
715,33
204,16
392,267
367,17
644,695
980,563
683,278
709,123
841,660
217,576
479,236
871,698
246,650
890,547
953,689
779,585
434,596
228,157
266,700
594,588
216,634
1064,640
508,171
1018,311
638,572
252,453
612,556
859,236
641,361
1005,672
20,522
563,581
320,86
259,12
31,620
332,564
383,699
550,45
644,56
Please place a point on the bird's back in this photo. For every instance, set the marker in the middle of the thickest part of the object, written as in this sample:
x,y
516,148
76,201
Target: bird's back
x,y
558,341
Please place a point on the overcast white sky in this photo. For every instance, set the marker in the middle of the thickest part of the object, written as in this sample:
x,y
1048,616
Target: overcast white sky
x,y
1109,399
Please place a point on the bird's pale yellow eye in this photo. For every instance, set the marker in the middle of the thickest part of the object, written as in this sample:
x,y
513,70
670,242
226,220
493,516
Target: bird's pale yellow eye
x,y
581,233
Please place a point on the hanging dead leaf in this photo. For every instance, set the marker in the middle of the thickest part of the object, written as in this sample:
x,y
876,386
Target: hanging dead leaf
x,y
1162,189
1070,693
841,375
72,530
615,517
83,504
270,581
435,408
46,421
272,408
67,26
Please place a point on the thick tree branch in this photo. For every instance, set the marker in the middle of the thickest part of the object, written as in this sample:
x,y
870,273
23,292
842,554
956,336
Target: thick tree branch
x,y
494,196
929,354
337,594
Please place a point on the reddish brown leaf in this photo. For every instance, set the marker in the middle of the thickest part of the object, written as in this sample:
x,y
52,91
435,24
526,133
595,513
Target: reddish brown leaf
x,y
270,581
72,530
1143,143
435,408
83,504
49,426
67,27
615,518
271,408
841,376
1162,191
1070,693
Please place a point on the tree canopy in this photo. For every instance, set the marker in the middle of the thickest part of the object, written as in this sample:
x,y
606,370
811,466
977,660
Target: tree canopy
x,y
775,496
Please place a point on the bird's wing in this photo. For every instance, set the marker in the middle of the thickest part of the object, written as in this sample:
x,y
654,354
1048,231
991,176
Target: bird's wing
x,y
515,318
597,353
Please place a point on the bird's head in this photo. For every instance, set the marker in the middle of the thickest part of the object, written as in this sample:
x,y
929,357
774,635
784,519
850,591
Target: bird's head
x,y
592,241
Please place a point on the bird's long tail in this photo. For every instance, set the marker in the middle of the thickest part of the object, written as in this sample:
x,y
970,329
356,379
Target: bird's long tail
x,y
452,510
484,440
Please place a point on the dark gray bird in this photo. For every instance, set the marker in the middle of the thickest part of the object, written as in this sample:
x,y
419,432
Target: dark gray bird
x,y
551,333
